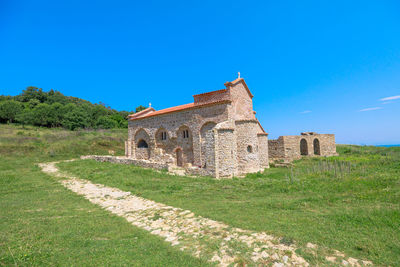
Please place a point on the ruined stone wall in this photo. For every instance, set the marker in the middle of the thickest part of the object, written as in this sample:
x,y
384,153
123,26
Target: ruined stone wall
x,y
124,160
289,147
276,149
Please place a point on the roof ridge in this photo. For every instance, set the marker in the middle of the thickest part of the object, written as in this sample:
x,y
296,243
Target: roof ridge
x,y
178,108
211,92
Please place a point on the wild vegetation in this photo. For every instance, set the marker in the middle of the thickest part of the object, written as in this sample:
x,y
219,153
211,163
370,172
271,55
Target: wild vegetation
x,y
349,203
53,109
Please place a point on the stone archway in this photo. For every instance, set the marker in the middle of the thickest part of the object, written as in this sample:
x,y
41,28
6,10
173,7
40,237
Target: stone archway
x,y
142,145
317,148
303,147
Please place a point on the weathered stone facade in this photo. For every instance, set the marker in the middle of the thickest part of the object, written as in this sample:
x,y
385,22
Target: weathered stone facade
x,y
293,147
217,135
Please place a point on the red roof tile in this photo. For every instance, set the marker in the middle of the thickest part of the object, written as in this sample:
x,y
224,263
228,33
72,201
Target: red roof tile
x,y
176,108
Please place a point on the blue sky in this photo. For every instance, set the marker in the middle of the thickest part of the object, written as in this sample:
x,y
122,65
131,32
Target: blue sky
x,y
312,65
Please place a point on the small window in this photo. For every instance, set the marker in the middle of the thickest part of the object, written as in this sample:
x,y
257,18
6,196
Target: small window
x,y
163,135
250,149
185,133
142,144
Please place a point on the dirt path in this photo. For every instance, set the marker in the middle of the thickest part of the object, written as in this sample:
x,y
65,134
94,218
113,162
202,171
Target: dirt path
x,y
202,237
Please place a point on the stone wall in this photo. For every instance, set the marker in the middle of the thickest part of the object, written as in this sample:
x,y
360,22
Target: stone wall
x,y
211,97
263,150
247,146
242,103
125,160
288,148
226,165
173,123
276,149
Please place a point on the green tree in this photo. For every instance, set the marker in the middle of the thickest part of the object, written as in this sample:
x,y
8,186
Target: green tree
x,y
9,110
57,114
33,103
25,117
75,117
95,112
32,92
140,108
106,122
42,115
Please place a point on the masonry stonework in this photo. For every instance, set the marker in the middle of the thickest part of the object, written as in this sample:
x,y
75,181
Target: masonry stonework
x,y
292,147
216,135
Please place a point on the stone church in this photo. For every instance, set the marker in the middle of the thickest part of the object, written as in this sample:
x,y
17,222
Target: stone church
x,y
217,135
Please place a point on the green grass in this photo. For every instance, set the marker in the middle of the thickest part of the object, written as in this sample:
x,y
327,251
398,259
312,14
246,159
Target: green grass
x,y
44,224
350,202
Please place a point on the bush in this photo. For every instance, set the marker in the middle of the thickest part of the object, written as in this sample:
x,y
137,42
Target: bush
x,y
105,122
9,110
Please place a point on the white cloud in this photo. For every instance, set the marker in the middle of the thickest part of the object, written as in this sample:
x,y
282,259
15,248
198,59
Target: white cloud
x,y
305,112
390,98
370,109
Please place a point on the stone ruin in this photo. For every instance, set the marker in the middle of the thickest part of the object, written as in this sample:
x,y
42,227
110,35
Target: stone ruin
x,y
291,147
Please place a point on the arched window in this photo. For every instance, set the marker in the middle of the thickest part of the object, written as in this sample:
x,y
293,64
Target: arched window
x,y
303,147
142,144
250,149
317,148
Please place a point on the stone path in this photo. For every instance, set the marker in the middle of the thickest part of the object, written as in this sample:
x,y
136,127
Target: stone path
x,y
202,237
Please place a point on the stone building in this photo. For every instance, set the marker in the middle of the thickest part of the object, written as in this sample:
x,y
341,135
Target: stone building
x,y
291,147
218,134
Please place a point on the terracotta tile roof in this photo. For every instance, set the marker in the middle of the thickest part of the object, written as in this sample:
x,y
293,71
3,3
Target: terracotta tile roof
x,y
141,113
175,109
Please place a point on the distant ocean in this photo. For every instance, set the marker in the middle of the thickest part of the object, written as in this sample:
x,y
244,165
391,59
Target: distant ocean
x,y
388,145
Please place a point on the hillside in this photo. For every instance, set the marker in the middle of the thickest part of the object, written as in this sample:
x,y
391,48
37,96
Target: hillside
x,y
53,109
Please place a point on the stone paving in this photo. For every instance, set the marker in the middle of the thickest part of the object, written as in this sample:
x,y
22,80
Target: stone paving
x,y
204,238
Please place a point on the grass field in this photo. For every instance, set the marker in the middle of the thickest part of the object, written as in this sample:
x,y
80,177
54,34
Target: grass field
x,y
44,224
350,203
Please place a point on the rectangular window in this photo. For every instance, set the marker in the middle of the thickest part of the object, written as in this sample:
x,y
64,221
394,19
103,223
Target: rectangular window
x,y
186,134
164,136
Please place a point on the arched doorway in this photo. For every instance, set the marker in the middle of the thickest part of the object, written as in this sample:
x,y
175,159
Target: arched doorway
x,y
179,157
142,150
142,145
317,149
303,147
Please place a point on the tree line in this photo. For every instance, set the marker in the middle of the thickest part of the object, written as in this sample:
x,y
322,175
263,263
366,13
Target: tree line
x,y
53,109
